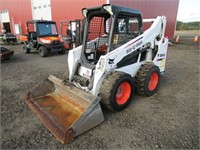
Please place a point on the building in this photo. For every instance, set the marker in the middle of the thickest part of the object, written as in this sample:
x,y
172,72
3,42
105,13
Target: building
x,y
15,13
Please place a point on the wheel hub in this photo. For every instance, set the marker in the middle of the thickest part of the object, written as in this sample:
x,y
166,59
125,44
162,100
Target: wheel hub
x,y
123,93
153,81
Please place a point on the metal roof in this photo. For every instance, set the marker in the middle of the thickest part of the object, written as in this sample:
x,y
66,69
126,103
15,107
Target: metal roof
x,y
114,8
40,21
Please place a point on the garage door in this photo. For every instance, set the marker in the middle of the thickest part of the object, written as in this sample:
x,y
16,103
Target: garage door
x,y
5,20
41,9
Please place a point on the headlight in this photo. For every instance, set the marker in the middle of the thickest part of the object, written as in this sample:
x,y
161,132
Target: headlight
x,y
45,41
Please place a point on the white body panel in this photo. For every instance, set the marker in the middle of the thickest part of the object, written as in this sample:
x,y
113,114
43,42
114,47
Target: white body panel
x,y
160,59
73,58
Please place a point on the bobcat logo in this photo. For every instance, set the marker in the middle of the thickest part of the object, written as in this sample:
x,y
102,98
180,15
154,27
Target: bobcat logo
x,y
111,61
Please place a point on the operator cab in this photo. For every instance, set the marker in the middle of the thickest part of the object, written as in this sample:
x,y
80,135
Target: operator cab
x,y
107,28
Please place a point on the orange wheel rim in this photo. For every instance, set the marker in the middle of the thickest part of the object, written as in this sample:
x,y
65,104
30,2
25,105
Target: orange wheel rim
x,y
123,93
153,81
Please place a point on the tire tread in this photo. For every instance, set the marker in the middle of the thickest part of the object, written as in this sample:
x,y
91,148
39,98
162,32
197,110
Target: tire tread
x,y
139,80
107,87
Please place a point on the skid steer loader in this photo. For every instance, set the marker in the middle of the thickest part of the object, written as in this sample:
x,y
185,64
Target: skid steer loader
x,y
116,58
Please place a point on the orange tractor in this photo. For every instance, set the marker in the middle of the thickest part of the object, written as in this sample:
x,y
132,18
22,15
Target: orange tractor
x,y
43,37
74,32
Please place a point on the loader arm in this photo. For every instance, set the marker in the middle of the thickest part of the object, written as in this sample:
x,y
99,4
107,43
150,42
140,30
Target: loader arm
x,y
146,39
144,42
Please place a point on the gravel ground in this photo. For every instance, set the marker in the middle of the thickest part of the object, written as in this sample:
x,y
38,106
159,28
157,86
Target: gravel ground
x,y
167,120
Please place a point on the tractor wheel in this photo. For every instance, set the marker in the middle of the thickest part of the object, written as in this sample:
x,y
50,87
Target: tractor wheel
x,y
25,49
62,51
43,52
147,79
116,91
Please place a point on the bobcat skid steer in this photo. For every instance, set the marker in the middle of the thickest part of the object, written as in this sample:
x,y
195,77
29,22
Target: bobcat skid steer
x,y
116,58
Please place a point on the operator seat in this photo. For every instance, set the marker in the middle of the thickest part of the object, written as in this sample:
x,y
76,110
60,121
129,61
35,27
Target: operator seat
x,y
33,35
33,38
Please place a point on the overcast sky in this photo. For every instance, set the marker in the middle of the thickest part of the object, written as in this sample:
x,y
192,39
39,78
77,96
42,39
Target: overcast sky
x,y
189,10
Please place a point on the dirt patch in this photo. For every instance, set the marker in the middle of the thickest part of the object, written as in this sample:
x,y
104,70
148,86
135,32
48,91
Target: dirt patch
x,y
169,119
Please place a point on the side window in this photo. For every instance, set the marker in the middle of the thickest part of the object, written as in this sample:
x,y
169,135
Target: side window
x,y
134,27
96,28
126,28
122,26
54,29
127,25
31,27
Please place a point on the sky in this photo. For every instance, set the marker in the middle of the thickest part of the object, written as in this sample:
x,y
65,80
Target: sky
x,y
189,10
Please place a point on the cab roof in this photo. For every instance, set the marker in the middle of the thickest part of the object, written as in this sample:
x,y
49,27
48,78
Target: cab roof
x,y
40,21
115,10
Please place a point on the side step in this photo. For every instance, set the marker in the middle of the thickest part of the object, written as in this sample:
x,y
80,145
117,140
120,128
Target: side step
x,y
64,109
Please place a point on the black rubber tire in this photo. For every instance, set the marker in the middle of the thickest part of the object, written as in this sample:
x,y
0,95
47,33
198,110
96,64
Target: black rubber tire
x,y
25,49
142,79
109,89
43,52
62,51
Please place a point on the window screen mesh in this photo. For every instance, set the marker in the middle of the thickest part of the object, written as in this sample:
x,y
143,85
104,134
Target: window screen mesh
x,y
126,28
97,33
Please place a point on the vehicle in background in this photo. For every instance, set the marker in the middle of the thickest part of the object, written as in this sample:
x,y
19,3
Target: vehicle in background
x,y
71,33
8,38
5,53
43,37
